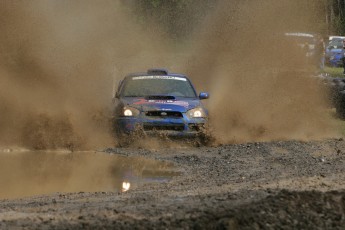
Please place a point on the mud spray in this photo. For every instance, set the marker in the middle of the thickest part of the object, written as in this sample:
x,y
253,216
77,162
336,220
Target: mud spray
x,y
58,63
59,60
260,84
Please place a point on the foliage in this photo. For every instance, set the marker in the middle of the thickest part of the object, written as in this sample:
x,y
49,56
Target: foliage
x,y
334,12
334,72
179,17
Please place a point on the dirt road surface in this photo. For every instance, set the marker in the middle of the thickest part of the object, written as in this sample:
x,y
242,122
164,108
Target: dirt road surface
x,y
275,185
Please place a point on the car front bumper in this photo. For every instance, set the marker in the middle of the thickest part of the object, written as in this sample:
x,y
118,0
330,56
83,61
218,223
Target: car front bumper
x,y
171,127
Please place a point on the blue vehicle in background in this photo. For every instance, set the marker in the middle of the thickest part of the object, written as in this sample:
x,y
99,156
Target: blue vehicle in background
x,y
158,102
310,48
335,53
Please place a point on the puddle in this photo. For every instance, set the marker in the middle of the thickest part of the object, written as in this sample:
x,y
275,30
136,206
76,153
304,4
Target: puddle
x,y
25,174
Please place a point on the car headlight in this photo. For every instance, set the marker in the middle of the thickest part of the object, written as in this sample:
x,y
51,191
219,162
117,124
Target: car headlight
x,y
130,111
196,112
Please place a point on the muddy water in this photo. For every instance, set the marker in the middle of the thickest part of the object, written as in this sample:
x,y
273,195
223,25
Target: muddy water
x,y
27,173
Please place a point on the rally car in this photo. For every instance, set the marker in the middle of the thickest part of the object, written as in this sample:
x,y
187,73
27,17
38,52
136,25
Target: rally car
x,y
158,103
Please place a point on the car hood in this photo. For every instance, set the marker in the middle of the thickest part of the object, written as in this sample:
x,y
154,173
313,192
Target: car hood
x,y
334,51
177,104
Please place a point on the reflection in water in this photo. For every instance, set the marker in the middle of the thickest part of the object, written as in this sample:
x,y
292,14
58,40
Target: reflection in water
x,y
34,173
125,186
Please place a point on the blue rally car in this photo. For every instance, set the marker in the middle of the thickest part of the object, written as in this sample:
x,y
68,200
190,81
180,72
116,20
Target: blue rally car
x,y
158,102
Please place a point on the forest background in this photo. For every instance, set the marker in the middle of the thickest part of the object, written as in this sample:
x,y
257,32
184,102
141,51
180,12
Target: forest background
x,y
171,14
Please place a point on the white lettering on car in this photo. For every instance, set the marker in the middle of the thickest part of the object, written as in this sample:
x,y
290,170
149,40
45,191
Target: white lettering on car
x,y
171,102
160,77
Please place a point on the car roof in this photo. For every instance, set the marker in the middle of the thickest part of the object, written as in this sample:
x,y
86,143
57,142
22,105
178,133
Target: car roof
x,y
146,74
156,72
336,37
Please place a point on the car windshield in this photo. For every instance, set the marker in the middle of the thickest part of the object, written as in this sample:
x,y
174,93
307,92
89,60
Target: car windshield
x,y
142,86
336,44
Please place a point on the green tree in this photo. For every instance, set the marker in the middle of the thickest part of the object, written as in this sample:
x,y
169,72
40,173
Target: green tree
x,y
178,18
334,12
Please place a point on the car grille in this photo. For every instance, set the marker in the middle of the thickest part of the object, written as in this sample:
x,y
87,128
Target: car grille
x,y
152,127
170,114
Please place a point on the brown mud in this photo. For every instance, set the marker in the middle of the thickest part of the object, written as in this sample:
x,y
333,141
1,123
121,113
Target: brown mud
x,y
46,172
272,185
59,64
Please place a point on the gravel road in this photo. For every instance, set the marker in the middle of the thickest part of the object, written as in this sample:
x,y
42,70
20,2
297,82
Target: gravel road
x,y
273,185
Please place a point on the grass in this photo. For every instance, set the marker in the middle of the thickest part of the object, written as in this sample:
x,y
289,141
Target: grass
x,y
334,72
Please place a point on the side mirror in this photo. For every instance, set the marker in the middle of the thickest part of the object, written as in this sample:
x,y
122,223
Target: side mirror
x,y
203,95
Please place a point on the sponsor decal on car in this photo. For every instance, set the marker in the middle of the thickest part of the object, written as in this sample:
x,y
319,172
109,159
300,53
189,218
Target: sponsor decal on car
x,y
160,77
170,102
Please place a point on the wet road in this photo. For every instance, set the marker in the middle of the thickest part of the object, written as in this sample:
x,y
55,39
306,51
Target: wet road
x,y
27,173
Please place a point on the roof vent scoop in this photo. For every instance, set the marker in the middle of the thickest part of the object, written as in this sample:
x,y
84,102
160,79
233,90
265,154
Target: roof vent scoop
x,y
157,71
